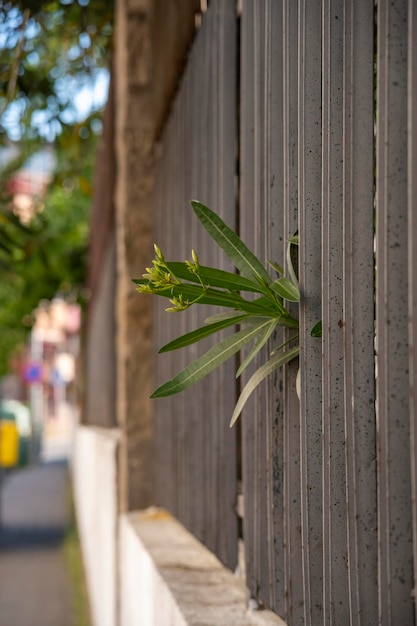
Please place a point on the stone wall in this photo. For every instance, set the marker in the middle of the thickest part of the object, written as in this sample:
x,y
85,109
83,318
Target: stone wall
x,y
94,478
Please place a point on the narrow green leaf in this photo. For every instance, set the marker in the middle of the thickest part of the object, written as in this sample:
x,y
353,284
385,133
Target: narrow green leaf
x,y
217,355
291,270
240,255
250,318
191,292
219,317
317,329
270,366
285,343
276,267
274,309
286,289
259,306
213,277
295,240
201,333
259,343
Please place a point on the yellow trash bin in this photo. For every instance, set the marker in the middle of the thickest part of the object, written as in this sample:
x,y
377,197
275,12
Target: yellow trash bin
x,y
9,443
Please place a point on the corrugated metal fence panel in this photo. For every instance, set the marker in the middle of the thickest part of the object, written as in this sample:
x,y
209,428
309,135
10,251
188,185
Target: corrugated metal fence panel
x,y
291,521
195,449
316,471
347,277
334,477
412,260
328,493
309,167
335,605
261,222
395,517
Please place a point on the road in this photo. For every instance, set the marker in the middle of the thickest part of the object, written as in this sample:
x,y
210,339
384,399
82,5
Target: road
x,y
35,585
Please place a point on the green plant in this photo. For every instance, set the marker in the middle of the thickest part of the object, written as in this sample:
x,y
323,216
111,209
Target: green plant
x,y
256,318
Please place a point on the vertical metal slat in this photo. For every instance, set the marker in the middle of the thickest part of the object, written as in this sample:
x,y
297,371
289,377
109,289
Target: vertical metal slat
x,y
336,607
309,180
358,327
192,427
291,418
412,264
273,216
394,523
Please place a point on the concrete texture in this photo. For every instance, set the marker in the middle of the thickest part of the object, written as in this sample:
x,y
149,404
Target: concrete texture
x,y
169,579
144,568
35,587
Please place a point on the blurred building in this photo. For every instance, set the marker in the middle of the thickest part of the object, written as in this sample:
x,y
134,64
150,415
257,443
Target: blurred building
x,y
28,184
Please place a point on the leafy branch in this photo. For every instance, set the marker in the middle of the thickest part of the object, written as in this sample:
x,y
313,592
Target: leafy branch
x,y
255,318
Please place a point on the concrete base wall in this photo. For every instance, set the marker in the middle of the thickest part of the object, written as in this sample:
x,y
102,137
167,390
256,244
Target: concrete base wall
x,y
144,568
94,472
169,579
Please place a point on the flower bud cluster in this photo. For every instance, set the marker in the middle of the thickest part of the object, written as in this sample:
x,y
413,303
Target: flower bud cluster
x,y
160,277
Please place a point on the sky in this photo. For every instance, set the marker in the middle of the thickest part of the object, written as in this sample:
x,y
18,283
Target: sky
x,y
85,98
79,94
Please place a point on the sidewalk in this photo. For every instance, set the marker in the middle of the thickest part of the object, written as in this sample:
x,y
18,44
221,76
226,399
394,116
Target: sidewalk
x,y
35,587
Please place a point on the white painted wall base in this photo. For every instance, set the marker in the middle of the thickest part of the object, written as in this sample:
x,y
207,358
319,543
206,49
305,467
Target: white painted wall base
x,y
144,568
169,579
94,473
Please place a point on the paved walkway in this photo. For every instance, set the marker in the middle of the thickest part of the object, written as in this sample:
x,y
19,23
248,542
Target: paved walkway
x,y
35,588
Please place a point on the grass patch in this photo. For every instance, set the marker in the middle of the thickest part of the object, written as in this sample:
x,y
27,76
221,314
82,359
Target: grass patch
x,y
74,559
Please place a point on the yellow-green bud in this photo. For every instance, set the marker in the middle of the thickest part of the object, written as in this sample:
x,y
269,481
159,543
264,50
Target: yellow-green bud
x,y
158,253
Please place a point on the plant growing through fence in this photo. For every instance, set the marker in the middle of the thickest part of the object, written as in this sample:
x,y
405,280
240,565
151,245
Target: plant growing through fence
x,y
255,318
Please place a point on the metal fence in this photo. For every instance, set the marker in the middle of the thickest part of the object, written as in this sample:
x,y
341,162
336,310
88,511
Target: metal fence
x,y
302,116
195,449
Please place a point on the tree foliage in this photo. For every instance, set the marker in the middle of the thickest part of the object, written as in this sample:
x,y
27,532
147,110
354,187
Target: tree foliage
x,y
54,55
50,51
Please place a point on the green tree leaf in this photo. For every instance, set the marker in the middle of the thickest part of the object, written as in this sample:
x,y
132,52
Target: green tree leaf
x,y
317,329
240,255
270,366
219,317
286,289
276,267
217,355
213,277
291,270
259,343
202,333
214,297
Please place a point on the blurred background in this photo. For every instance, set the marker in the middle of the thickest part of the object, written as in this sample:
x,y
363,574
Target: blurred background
x,y
54,80
54,83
